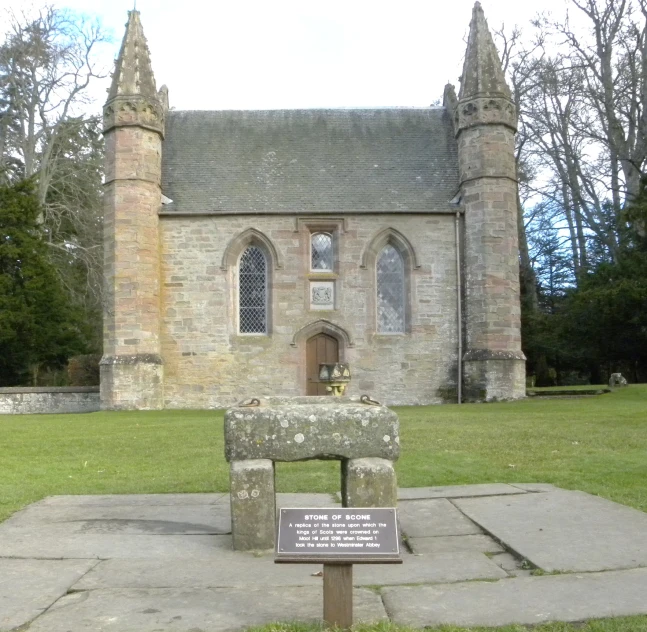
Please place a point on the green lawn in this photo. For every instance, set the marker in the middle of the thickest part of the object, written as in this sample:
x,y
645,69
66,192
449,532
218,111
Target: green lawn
x,y
575,387
619,624
597,444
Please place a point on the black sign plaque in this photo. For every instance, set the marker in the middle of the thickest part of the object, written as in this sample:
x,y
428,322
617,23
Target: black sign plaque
x,y
352,535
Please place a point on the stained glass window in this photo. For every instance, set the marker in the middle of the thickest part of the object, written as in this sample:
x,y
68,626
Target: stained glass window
x,y
252,292
390,291
321,251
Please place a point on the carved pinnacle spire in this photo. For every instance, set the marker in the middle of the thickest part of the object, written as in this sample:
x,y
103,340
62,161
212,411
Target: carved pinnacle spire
x,y
482,71
133,98
484,97
133,74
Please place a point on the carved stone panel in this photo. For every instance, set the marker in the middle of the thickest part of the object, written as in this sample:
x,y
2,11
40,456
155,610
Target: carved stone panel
x,y
322,295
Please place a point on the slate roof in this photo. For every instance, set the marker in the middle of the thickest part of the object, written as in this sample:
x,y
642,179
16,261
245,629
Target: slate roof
x,y
309,161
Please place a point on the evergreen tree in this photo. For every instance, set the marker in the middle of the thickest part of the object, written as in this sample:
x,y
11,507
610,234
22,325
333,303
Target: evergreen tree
x,y
38,326
604,321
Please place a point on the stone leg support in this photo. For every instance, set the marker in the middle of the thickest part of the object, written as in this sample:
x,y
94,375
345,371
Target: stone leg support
x,y
369,482
253,504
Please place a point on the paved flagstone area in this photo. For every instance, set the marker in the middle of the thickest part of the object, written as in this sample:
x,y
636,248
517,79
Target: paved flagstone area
x,y
145,563
564,530
526,600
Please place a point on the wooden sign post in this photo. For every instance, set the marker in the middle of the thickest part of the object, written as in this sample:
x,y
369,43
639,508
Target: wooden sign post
x,y
338,537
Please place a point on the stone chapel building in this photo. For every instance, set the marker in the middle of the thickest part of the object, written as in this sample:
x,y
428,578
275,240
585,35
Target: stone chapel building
x,y
243,248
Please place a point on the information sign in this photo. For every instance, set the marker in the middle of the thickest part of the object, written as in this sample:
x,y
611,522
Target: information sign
x,y
354,535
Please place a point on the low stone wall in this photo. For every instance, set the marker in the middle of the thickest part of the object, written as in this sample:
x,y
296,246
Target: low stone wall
x,y
65,399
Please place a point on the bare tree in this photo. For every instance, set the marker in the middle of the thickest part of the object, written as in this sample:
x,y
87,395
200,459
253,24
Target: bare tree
x,y
585,117
47,61
517,64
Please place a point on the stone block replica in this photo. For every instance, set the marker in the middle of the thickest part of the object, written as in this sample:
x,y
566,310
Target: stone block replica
x,y
617,379
253,504
368,482
362,434
243,249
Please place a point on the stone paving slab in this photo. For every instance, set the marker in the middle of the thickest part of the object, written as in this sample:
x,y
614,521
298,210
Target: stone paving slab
x,y
138,500
510,564
28,587
160,570
535,487
123,519
454,544
237,569
159,500
458,491
46,544
189,610
442,568
306,500
523,600
564,530
426,518
229,569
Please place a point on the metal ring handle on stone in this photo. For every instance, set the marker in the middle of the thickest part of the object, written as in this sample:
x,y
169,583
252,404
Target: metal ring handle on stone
x,y
365,399
249,403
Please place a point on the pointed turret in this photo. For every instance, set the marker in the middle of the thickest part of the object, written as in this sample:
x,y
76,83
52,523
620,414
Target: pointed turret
x,y
485,122
133,72
132,375
133,98
484,95
482,72
449,99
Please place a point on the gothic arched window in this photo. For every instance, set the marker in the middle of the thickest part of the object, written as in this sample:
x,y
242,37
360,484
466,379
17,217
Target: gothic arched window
x,y
321,252
252,291
391,291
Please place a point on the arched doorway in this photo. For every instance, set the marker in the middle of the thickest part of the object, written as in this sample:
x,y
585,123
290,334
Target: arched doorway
x,y
320,349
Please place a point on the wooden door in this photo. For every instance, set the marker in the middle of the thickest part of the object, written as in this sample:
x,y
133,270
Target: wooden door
x,y
321,348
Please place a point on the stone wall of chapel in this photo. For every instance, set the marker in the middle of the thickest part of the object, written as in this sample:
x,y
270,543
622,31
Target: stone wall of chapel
x,y
207,364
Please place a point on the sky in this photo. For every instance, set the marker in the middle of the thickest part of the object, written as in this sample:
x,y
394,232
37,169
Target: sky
x,y
254,54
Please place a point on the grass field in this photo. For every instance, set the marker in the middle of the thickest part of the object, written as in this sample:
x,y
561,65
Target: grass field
x,y
619,624
597,444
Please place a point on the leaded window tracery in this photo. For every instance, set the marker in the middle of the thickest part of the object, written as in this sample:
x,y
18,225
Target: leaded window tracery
x,y
321,252
252,292
391,291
